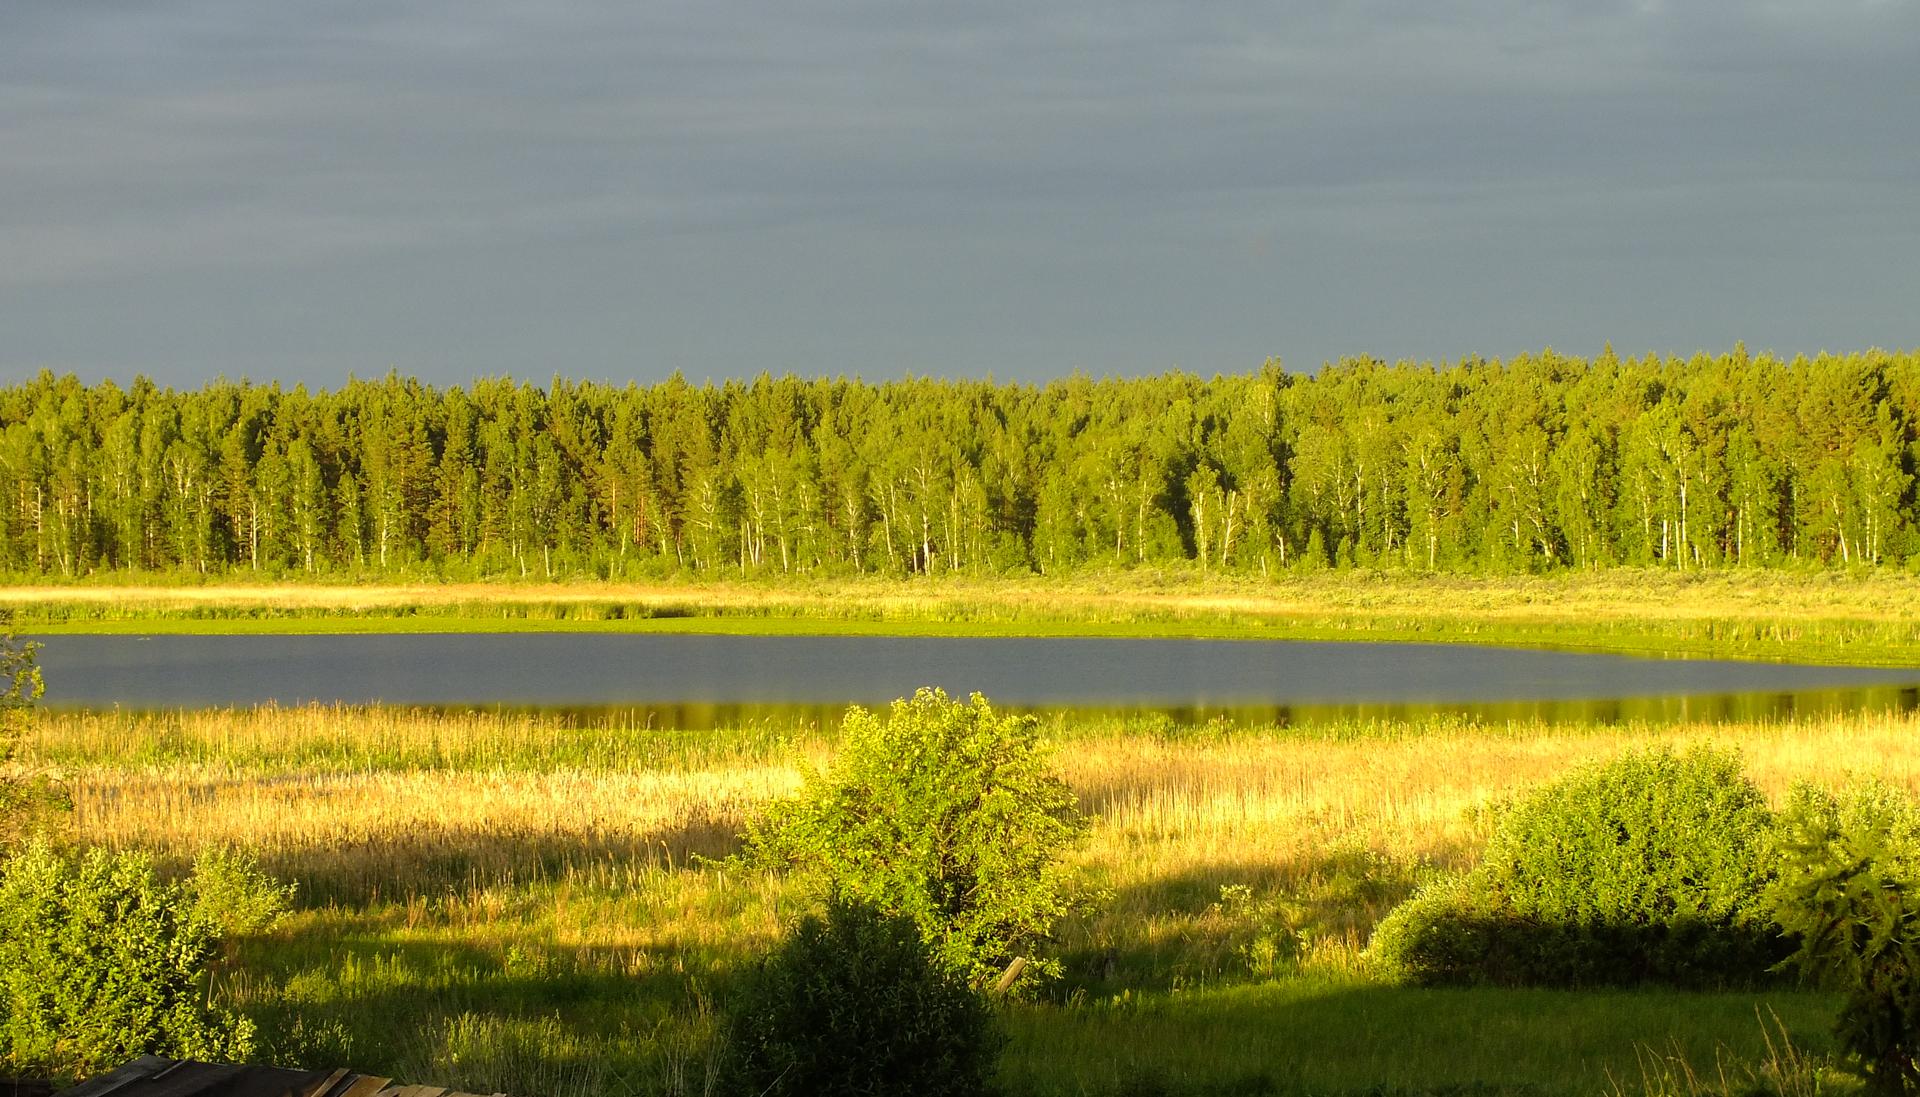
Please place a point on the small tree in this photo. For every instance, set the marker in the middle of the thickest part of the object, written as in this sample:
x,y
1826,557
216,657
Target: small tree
x,y
21,683
943,812
23,801
1850,891
854,1003
101,961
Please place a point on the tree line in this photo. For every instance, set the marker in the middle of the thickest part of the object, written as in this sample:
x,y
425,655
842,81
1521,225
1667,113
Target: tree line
x,y
1540,462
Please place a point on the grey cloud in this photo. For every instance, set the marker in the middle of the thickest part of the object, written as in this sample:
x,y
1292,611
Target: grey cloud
x,y
977,186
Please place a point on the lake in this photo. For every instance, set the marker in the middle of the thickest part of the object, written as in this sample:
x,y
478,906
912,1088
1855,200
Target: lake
x,y
696,681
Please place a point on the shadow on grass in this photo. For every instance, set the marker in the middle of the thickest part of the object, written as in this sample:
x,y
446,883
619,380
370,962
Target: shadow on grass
x,y
1228,922
1300,1036
597,1019
387,1005
452,859
1442,947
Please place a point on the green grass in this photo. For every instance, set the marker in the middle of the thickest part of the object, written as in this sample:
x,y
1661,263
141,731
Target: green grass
x,y
1311,1035
364,990
532,903
1849,643
1868,620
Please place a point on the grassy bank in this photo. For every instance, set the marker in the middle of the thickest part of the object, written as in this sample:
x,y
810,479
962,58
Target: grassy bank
x,y
532,903
1866,619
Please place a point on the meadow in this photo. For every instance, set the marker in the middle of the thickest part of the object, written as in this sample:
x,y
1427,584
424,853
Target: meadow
x,y
1865,618
541,904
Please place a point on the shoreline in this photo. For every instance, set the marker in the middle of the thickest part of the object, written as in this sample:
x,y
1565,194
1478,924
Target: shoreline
x,y
1818,618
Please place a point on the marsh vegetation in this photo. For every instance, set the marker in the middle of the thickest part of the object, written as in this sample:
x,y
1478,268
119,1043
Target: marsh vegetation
x,y
540,904
1811,617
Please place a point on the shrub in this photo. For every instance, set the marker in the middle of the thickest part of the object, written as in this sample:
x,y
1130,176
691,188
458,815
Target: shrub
x,y
1849,889
100,962
21,683
25,800
945,813
855,1003
1647,868
231,894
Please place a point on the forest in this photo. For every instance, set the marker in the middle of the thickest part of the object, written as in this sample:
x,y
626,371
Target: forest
x,y
1537,463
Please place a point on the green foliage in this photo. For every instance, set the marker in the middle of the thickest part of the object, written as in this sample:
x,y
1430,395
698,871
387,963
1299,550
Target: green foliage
x,y
855,1003
1474,466
19,671
24,799
1850,892
21,683
232,894
1649,868
482,1053
101,961
943,812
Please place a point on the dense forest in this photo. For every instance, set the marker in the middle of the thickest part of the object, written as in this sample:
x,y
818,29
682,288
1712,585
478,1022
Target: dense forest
x,y
1540,462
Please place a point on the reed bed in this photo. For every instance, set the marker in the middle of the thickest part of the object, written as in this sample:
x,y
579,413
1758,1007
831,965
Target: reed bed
x,y
309,739
1622,592
1869,617
571,871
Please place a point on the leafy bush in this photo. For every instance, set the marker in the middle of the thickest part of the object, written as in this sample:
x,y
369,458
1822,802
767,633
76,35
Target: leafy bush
x,y
855,1003
21,683
231,894
100,962
1646,868
1849,890
945,813
25,799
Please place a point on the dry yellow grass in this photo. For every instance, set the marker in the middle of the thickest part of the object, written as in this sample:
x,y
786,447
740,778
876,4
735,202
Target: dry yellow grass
x,y
1411,793
1632,594
601,829
362,834
502,870
349,738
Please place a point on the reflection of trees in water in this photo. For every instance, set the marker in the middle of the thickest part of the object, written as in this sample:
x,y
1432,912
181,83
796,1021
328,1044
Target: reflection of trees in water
x,y
1682,708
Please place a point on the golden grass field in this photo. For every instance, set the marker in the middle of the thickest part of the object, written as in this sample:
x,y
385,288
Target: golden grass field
x,y
1869,618
286,780
1578,596
586,855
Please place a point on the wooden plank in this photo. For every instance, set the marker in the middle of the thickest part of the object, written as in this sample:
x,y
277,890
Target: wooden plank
x,y
186,1079
141,1069
364,1087
325,1085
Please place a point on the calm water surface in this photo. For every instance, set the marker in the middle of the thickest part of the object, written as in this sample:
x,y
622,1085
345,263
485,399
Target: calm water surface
x,y
720,676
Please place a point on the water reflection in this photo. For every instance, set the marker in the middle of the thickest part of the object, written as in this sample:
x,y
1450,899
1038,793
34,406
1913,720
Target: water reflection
x,y
1278,680
1706,708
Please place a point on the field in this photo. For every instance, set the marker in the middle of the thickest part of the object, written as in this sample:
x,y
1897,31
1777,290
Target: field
x,y
538,905
1872,618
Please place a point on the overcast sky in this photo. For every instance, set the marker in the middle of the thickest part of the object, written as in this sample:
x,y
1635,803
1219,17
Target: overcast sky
x,y
298,190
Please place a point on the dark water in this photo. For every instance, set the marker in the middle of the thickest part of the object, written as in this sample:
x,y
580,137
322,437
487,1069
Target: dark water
x,y
696,681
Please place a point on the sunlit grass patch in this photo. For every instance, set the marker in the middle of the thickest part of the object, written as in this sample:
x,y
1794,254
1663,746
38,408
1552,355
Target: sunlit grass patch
x,y
558,882
1869,618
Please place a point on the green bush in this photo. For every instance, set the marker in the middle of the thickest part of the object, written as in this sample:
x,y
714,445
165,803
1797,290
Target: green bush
x,y
1849,890
1649,868
945,813
101,961
26,800
21,683
855,1003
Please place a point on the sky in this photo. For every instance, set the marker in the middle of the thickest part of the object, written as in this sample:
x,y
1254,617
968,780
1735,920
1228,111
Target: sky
x,y
608,189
